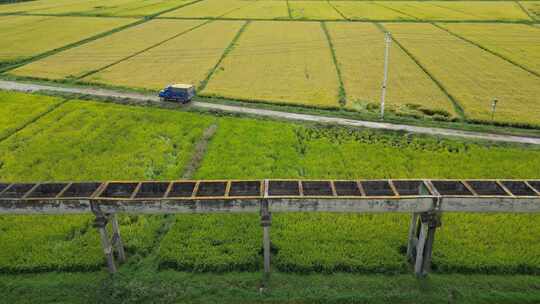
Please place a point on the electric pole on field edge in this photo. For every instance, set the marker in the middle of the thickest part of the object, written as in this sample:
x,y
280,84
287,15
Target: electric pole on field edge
x,y
387,41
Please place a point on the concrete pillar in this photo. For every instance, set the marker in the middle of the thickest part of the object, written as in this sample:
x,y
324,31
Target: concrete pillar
x,y
413,236
101,224
266,222
117,239
429,222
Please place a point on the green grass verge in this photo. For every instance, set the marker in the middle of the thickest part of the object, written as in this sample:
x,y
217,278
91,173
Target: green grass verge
x,y
134,286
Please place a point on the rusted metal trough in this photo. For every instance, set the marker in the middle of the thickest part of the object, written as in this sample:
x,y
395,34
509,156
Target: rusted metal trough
x,y
426,200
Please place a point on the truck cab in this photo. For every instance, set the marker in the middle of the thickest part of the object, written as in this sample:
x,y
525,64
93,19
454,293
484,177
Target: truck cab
x,y
182,93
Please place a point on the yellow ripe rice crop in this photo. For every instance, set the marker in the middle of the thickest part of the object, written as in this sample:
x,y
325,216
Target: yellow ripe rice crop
x,y
25,36
360,10
99,53
33,6
317,10
94,7
533,7
185,59
208,9
262,9
359,50
473,76
459,10
517,42
138,7
287,62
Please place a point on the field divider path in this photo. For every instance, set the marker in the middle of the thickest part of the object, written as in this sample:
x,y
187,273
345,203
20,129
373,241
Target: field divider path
x,y
226,52
342,93
338,11
487,50
457,106
143,50
396,10
289,9
70,46
144,99
200,151
525,10
34,119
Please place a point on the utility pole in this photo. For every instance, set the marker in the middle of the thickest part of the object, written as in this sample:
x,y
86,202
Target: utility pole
x,y
387,41
493,108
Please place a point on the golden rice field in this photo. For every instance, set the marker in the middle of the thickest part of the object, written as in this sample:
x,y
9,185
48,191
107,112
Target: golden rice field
x,y
185,59
78,61
318,10
208,9
94,7
459,10
26,36
288,62
359,48
473,76
269,9
517,42
532,7
363,10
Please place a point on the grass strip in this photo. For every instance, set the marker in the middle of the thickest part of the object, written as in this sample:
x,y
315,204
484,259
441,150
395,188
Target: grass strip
x,y
17,64
227,50
143,50
342,94
487,50
457,106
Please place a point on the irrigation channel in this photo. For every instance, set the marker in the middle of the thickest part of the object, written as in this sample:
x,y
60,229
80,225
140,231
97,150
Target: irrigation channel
x,y
426,200
144,99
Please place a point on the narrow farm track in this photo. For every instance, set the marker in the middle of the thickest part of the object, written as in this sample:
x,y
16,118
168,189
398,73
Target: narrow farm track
x,y
27,87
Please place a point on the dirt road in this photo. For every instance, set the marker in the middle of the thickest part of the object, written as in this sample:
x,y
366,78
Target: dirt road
x,y
26,87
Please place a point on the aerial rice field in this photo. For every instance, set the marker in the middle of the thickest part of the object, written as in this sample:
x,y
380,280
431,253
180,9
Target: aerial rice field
x,y
264,9
208,9
332,242
317,10
174,61
519,43
27,36
286,62
360,10
100,53
83,140
94,7
15,113
459,10
471,75
533,8
358,48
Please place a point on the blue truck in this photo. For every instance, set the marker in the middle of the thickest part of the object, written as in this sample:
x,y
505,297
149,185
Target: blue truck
x,y
182,93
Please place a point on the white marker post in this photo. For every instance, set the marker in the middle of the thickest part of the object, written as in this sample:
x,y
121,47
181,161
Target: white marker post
x,y
387,41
